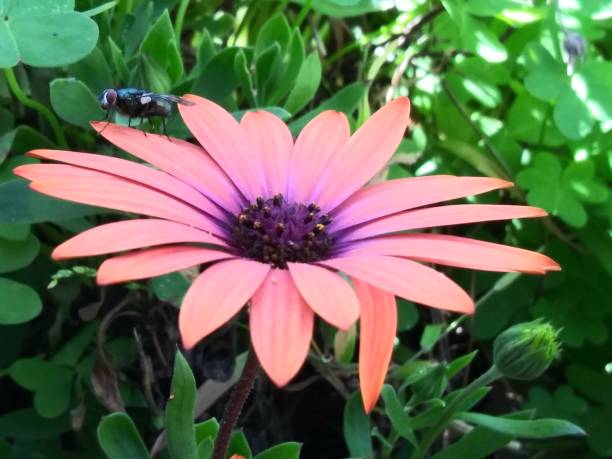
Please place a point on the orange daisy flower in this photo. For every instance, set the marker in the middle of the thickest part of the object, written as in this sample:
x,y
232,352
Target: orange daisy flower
x,y
276,222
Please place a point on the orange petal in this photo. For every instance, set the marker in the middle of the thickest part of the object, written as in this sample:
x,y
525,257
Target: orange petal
x,y
223,137
131,234
154,262
99,189
136,172
458,251
431,217
364,155
407,279
275,146
326,293
281,327
217,295
320,139
398,195
377,329
187,162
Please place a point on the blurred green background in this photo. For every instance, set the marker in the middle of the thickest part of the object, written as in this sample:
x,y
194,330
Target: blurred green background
x,y
516,89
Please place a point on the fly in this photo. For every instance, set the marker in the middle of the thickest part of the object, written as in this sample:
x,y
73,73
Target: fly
x,y
139,103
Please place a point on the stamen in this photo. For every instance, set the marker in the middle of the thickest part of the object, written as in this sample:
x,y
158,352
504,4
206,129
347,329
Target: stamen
x,y
280,229
277,200
318,228
309,217
260,202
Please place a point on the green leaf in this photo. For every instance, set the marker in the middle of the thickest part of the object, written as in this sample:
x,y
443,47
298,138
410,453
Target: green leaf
x,y
74,102
26,424
294,64
101,8
9,54
20,204
592,82
37,7
15,255
306,84
546,78
268,72
120,439
17,232
572,116
206,429
538,428
180,411
51,40
346,8
356,428
275,31
218,78
459,364
93,70
239,445
19,303
244,77
160,44
407,315
288,450
344,344
71,352
121,68
346,100
205,448
170,287
278,111
396,414
480,442
430,336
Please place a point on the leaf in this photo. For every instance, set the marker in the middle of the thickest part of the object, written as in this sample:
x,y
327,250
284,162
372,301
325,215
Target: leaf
x,y
239,445
120,439
346,100
346,8
206,429
170,287
268,71
430,336
546,78
51,40
101,8
93,70
407,315
9,54
74,102
160,44
244,77
396,414
344,344
205,448
480,442
459,364
15,255
26,424
17,232
278,111
288,450
71,352
218,78
572,116
19,204
296,57
180,430
19,303
356,428
538,428
275,31
306,84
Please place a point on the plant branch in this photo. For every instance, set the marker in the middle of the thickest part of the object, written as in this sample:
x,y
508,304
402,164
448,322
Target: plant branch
x,y
35,105
235,405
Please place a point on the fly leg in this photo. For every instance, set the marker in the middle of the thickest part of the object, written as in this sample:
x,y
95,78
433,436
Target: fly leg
x,y
141,123
163,122
107,119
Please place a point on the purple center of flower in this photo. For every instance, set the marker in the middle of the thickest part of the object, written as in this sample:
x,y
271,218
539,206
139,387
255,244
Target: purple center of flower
x,y
276,232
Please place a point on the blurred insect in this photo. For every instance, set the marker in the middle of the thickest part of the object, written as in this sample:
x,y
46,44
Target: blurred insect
x,y
139,103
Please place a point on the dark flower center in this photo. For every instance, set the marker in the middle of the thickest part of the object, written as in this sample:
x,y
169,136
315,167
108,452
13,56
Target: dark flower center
x,y
277,232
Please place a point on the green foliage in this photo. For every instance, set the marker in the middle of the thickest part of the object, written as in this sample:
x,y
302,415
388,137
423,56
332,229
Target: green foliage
x,y
494,91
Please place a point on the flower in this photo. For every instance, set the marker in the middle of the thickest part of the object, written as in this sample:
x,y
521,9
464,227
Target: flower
x,y
526,350
275,222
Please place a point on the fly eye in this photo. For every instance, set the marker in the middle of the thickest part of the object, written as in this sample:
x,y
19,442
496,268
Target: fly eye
x,y
107,99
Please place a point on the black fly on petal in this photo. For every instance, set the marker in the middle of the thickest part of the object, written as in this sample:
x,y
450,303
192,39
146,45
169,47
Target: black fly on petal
x,y
139,103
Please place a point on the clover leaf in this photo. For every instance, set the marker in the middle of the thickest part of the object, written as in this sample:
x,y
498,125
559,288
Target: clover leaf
x,y
562,192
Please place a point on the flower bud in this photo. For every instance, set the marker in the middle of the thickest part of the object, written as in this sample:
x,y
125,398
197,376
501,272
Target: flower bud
x,y
432,384
526,350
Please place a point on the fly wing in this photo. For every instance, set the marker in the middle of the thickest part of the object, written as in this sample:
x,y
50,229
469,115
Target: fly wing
x,y
172,98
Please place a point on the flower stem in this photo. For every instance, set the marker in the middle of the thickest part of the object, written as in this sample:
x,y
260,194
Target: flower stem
x,y
35,105
235,405
432,434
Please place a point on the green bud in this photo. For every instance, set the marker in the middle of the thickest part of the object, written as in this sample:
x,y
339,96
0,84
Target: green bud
x,y
526,350
432,384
